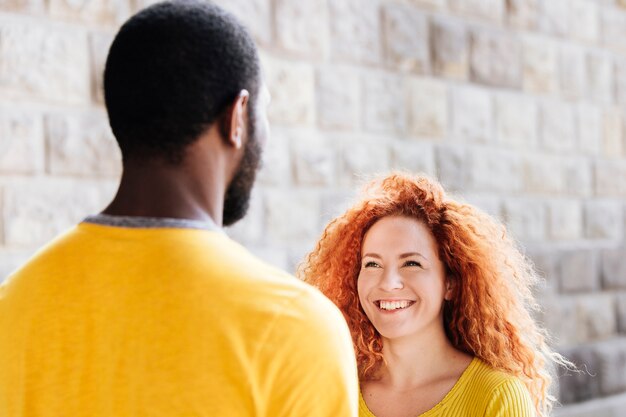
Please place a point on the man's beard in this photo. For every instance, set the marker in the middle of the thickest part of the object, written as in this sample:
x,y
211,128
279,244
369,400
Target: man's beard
x,y
237,199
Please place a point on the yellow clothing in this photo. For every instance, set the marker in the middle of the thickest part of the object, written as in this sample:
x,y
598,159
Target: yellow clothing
x,y
481,391
115,322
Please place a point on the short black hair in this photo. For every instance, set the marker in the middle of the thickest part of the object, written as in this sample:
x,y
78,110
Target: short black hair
x,y
172,70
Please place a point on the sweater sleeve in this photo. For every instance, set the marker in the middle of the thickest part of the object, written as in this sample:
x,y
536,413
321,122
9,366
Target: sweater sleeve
x,y
510,399
307,364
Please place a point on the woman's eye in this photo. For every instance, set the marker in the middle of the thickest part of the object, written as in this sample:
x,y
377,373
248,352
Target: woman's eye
x,y
412,263
371,264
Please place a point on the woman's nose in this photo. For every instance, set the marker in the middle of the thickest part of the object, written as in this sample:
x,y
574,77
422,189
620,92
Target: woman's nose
x,y
391,280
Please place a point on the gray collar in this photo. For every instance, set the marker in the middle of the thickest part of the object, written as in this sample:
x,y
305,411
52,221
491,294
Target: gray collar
x,y
151,222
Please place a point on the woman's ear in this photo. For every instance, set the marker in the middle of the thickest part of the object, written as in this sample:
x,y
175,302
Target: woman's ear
x,y
450,288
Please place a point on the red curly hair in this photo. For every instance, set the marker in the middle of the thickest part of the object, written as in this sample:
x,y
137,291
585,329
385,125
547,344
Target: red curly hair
x,y
489,315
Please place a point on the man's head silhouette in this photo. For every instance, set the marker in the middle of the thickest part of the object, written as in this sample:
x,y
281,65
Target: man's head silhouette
x,y
181,75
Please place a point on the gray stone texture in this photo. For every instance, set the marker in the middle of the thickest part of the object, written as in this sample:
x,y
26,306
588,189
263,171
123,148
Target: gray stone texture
x,y
495,58
614,268
338,94
427,107
355,31
450,48
302,27
406,38
579,270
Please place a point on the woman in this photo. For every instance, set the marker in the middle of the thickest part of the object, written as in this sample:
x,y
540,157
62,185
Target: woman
x,y
437,298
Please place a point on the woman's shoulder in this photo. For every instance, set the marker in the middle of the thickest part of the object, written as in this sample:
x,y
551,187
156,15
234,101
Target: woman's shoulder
x,y
500,393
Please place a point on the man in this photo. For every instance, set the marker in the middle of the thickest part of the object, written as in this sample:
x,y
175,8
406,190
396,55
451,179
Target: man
x,y
148,309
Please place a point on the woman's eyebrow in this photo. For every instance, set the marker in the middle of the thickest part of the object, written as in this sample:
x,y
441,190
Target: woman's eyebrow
x,y
408,254
372,255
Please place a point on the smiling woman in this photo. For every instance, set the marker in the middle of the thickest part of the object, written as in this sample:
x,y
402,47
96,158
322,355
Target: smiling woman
x,y
438,299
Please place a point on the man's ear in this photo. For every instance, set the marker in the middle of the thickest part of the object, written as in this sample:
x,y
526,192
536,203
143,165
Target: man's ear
x,y
236,119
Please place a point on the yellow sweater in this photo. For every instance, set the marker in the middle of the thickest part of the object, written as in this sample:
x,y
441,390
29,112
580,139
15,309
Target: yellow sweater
x,y
481,391
115,322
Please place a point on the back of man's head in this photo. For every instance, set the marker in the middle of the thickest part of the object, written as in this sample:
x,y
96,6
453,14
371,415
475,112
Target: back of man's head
x,y
172,70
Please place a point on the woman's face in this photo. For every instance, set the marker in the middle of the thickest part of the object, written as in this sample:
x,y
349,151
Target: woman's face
x,y
402,281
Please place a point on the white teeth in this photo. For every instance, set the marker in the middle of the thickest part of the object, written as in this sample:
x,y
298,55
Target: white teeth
x,y
394,305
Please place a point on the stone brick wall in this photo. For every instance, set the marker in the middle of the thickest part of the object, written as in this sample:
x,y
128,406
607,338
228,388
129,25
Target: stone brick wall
x,y
518,106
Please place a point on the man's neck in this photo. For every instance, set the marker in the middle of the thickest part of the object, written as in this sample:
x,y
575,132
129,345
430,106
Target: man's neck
x,y
162,190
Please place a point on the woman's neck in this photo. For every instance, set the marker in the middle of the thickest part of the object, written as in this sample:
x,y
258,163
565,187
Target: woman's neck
x,y
419,359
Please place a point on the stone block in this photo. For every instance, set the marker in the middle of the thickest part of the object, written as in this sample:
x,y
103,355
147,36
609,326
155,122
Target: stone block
x,y
109,12
560,316
381,112
589,121
525,219
82,145
494,170
24,6
584,24
523,14
620,81
452,166
314,161
573,71
277,257
601,407
557,127
276,162
613,133
22,146
540,65
486,202
554,17
491,10
596,315
291,216
249,230
577,174
611,356
406,38
450,48
543,174
35,211
581,385
38,63
338,98
621,312
355,31
433,4
516,121
301,27
413,157
565,219
99,44
614,268
610,178
613,28
495,58
600,70
472,114
291,85
579,270
546,263
256,15
604,220
361,159
427,107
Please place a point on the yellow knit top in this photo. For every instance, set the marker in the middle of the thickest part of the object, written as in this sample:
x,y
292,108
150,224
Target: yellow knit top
x,y
480,391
